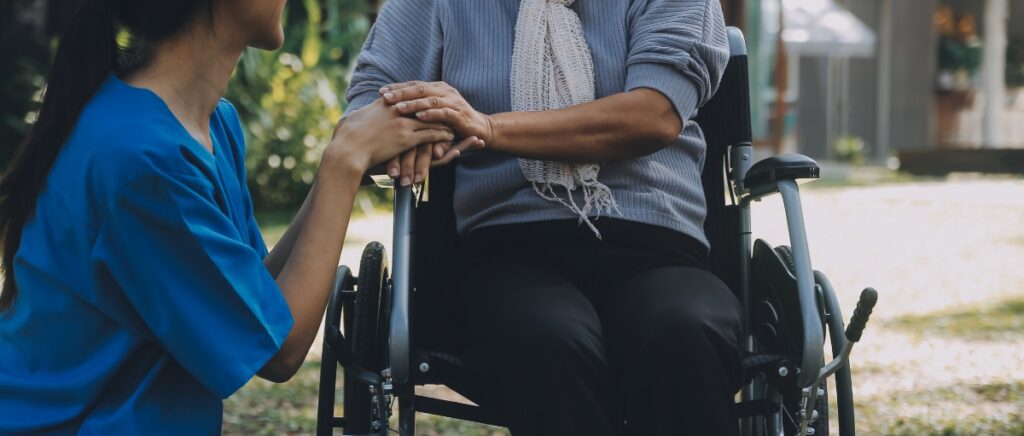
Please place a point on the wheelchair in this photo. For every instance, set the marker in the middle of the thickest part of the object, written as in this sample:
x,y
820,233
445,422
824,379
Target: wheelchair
x,y
386,328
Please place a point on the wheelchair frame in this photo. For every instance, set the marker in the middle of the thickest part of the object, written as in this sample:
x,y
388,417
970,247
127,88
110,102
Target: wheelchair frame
x,y
725,121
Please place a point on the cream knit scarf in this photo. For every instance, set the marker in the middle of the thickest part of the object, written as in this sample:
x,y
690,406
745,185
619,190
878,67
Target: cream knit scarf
x,y
552,68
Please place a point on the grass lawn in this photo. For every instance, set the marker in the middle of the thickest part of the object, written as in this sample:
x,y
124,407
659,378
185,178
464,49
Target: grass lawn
x,y
265,408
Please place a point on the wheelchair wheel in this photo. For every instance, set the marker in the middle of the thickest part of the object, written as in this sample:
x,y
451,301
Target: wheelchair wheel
x,y
368,334
791,399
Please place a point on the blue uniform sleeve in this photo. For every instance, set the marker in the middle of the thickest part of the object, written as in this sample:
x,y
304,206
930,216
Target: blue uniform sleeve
x,y
405,43
234,129
678,48
202,292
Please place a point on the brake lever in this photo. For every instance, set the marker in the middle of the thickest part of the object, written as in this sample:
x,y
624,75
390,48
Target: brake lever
x,y
859,320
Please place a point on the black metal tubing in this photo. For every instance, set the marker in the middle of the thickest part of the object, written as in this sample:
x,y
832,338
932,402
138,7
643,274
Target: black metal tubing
x,y
325,420
343,281
336,350
406,409
844,382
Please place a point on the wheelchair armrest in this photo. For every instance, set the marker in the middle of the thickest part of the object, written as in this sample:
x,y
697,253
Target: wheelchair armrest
x,y
762,178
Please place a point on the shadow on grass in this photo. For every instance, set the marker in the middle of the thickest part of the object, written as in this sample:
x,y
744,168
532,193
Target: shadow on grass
x,y
989,322
265,408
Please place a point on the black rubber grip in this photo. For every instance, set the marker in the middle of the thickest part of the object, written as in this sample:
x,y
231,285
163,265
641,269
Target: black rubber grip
x,y
868,298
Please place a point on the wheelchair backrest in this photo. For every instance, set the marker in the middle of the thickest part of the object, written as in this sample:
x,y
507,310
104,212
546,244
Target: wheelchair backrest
x,y
725,121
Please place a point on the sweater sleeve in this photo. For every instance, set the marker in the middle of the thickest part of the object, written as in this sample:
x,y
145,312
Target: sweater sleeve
x,y
678,48
404,44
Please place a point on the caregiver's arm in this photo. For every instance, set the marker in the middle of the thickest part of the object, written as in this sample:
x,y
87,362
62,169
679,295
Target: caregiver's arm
x,y
620,126
306,264
277,258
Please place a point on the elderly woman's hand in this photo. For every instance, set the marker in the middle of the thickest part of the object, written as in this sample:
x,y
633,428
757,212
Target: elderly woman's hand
x,y
440,102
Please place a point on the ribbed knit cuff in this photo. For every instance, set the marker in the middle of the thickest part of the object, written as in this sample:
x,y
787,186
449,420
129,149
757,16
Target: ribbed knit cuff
x,y
360,100
668,81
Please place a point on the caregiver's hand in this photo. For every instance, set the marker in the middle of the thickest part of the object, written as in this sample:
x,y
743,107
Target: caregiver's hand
x,y
376,133
412,166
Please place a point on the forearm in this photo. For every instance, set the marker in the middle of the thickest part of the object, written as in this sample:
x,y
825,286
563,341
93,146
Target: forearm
x,y
307,272
617,127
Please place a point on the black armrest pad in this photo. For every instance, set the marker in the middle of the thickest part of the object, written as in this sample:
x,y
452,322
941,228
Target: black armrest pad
x,y
767,172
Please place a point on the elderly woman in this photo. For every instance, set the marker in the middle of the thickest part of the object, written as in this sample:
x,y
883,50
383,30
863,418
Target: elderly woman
x,y
587,306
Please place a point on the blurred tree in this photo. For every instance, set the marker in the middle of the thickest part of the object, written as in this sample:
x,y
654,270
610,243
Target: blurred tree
x,y
289,100
24,43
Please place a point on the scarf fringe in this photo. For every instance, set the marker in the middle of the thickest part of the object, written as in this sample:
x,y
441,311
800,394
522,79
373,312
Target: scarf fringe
x,y
597,200
552,68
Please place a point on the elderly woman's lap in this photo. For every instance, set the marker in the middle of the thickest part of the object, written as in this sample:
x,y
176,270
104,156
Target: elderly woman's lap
x,y
580,340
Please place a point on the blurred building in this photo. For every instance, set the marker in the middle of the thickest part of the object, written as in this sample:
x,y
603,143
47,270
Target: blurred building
x,y
939,80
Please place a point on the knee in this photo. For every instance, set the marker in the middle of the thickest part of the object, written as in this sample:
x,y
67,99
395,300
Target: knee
x,y
568,338
691,328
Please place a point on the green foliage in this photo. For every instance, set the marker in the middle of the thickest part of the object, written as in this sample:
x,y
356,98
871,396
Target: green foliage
x,y
850,149
289,100
26,59
956,54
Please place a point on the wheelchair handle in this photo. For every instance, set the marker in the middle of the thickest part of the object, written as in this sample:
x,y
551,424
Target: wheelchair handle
x,y
867,301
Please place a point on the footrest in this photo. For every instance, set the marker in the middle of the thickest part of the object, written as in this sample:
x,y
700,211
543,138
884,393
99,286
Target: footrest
x,y
748,409
455,410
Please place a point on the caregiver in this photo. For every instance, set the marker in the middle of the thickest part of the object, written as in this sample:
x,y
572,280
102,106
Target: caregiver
x,y
137,289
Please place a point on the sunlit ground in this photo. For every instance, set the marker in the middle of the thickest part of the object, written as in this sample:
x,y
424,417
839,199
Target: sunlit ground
x,y
942,355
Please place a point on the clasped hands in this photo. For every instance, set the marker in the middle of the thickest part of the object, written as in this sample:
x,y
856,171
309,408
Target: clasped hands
x,y
434,102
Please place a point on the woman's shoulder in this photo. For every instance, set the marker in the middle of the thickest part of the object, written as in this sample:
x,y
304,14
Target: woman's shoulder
x,y
227,119
123,134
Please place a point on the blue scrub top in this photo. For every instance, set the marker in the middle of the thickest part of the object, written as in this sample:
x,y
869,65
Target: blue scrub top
x,y
143,300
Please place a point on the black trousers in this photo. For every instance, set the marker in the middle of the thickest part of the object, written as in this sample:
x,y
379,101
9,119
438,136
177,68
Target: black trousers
x,y
566,334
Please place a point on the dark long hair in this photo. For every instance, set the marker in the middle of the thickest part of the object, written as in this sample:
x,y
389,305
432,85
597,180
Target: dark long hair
x,y
88,53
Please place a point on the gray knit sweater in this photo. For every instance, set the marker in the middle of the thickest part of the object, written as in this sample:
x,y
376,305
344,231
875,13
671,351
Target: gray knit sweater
x,y
677,47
